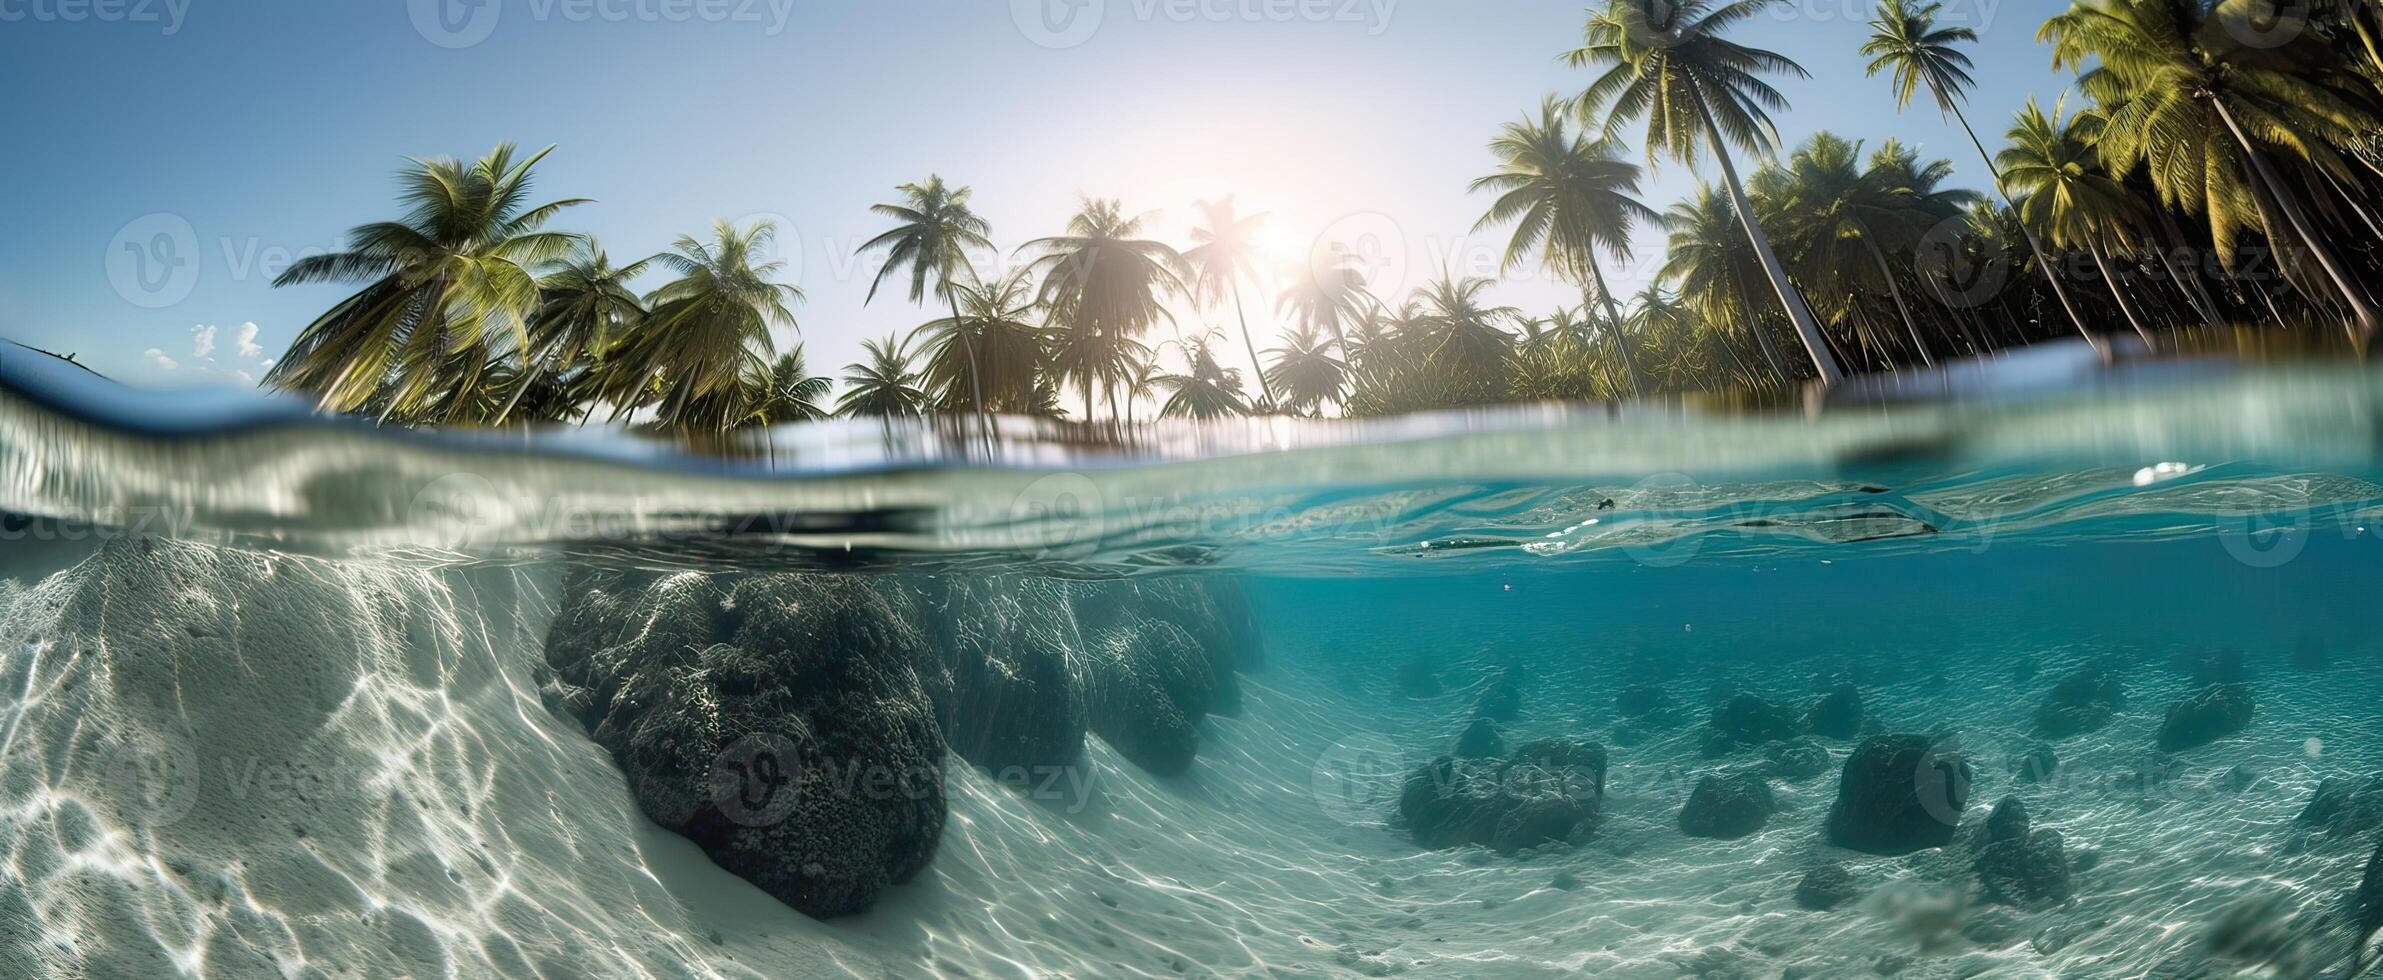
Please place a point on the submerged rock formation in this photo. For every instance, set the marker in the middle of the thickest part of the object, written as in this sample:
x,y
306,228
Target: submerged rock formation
x,y
2216,712
1826,887
2018,866
1838,714
1899,794
1547,791
2345,806
1480,741
777,721
1798,760
796,725
2081,702
1501,700
1728,806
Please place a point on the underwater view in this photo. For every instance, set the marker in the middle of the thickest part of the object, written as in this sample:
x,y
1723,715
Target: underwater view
x,y
2074,686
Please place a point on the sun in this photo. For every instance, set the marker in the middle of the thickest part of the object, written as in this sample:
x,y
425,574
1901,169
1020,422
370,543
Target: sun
x,y
1282,244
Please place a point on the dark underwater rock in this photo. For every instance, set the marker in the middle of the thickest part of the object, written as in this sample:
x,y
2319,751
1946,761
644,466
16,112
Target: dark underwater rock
x,y
2082,701
1826,887
2028,871
1798,760
2219,711
1749,720
1546,792
2007,821
2036,765
777,721
1480,741
1899,794
2346,806
1501,700
1728,806
1143,694
1838,714
2366,907
1007,691
1186,603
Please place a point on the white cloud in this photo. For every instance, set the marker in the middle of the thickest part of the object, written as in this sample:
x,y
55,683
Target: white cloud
x,y
158,358
245,341
202,341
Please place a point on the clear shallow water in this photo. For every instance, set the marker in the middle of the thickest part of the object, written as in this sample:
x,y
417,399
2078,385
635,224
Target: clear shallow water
x,y
284,698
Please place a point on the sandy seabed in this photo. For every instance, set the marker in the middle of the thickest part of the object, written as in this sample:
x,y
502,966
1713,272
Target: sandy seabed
x,y
226,763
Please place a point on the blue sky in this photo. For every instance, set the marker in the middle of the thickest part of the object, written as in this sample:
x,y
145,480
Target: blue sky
x,y
167,157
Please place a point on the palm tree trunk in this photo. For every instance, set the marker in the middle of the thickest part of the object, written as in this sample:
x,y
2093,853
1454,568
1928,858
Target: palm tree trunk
x,y
2034,247
1264,387
2200,303
1638,381
2118,290
1896,290
2368,321
529,376
1807,326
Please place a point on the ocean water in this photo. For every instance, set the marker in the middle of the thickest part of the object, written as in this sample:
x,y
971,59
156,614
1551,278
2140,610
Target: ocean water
x,y
288,697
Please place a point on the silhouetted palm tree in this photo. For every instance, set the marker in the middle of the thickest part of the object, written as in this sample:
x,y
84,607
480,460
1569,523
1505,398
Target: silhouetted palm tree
x,y
934,230
2068,197
708,332
792,393
1105,287
885,386
1306,372
1206,389
1224,255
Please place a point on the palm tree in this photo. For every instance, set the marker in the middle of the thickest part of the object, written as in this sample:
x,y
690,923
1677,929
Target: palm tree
x,y
585,305
1206,389
2202,94
1465,343
1712,267
1011,352
1328,297
886,386
452,278
1567,196
1106,287
1668,61
792,393
1844,217
1306,372
934,230
2068,195
1907,40
708,331
1225,254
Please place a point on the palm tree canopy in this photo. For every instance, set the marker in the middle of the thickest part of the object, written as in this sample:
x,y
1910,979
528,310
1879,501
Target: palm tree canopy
x,y
933,232
1305,371
2067,193
1666,60
1906,40
792,393
454,274
708,331
1206,390
1224,251
1012,352
1566,195
884,386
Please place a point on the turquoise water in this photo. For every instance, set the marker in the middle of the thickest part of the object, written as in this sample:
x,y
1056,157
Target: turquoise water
x,y
281,697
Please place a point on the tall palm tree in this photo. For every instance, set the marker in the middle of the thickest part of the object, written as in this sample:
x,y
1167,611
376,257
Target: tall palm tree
x,y
2068,195
1224,254
1205,390
707,332
792,393
2203,94
1667,60
885,386
1567,196
1466,343
934,229
449,284
585,305
1906,39
1105,286
993,343
1306,371
1844,217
